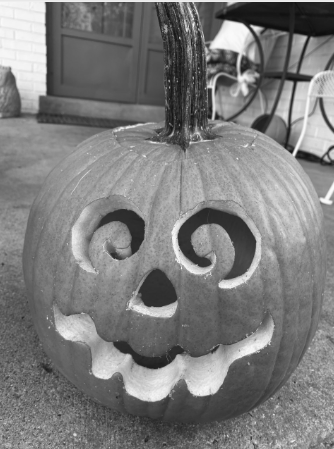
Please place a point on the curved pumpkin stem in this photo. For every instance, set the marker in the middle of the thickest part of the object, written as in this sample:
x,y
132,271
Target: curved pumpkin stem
x,y
186,99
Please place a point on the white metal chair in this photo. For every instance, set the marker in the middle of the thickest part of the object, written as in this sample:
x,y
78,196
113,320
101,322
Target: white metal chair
x,y
248,79
321,86
327,198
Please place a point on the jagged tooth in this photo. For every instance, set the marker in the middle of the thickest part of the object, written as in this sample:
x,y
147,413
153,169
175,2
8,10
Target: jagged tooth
x,y
106,359
153,385
203,375
206,374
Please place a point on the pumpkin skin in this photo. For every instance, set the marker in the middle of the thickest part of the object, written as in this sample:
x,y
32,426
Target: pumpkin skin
x,y
244,321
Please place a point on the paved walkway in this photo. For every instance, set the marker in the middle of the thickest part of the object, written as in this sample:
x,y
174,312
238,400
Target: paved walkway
x,y
39,408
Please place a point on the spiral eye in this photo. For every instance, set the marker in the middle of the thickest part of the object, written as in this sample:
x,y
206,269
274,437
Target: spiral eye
x,y
105,227
120,234
211,235
131,226
114,239
212,242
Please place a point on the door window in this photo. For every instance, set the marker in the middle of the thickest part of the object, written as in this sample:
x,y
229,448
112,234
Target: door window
x,y
112,19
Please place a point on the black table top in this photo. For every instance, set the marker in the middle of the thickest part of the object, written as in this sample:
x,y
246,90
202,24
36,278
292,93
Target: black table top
x,y
311,19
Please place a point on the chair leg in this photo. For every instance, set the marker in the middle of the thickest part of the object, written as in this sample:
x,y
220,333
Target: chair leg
x,y
326,199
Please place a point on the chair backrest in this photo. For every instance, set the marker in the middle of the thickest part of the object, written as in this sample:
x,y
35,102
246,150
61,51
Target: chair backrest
x,y
268,39
233,36
322,84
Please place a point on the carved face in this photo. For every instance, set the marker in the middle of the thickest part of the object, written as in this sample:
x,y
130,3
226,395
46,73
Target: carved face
x,y
164,285
215,252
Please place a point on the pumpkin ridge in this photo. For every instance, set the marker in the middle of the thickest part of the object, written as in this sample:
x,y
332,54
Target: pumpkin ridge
x,y
308,238
250,173
297,174
157,190
223,155
279,179
296,320
34,209
137,161
144,162
301,213
271,379
158,187
271,210
317,312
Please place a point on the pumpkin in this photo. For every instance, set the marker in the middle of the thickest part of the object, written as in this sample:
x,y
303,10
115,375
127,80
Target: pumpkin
x,y
176,271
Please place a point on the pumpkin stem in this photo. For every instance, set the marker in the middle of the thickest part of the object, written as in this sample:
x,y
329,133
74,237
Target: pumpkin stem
x,y
186,98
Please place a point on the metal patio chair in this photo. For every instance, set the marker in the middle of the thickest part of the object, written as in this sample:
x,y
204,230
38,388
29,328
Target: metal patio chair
x,y
321,86
260,44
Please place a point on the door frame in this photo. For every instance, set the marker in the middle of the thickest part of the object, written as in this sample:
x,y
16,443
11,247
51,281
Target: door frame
x,y
145,48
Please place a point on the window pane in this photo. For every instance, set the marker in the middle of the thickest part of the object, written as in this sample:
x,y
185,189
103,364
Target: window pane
x,y
118,19
114,19
82,16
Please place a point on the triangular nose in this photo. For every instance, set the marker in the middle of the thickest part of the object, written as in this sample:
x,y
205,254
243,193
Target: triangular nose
x,y
157,290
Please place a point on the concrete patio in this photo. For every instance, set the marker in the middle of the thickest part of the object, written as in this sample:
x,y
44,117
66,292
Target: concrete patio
x,y
41,409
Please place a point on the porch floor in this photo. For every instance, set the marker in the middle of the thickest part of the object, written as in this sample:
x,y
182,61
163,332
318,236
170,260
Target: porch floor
x,y
41,409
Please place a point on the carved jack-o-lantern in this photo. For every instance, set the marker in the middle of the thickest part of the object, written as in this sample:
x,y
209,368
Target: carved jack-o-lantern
x,y
177,274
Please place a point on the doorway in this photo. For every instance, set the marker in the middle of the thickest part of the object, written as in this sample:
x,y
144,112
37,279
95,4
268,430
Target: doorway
x,y
105,51
110,51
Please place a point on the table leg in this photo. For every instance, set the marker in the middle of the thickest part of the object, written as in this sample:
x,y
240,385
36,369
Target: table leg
x,y
285,68
301,58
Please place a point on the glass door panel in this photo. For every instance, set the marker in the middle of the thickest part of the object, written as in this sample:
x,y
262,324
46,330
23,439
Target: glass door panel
x,y
95,50
114,19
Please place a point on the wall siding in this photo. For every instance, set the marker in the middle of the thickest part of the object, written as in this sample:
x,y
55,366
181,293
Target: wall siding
x,y
23,48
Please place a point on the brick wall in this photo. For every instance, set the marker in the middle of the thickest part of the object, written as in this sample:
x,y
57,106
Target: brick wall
x,y
318,136
23,48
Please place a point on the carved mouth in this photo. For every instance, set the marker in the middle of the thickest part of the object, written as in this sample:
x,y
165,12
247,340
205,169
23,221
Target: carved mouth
x,y
149,362
203,375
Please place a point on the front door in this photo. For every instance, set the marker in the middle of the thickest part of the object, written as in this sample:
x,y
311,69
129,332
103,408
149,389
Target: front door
x,y
105,51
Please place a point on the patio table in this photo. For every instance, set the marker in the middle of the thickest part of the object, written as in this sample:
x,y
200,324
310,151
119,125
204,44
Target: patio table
x,y
308,19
